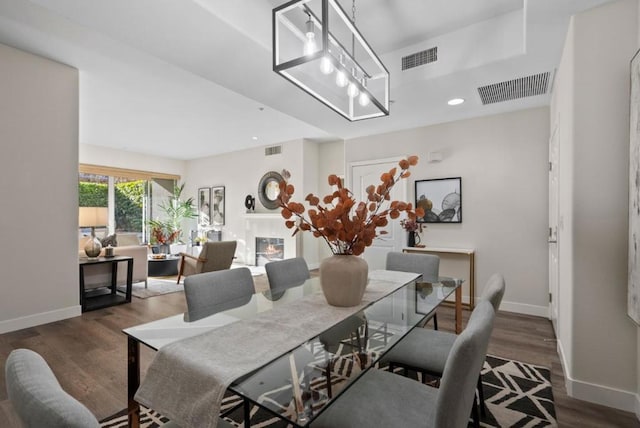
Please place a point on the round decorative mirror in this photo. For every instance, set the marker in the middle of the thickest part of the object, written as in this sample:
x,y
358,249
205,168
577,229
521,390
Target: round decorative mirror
x,y
269,189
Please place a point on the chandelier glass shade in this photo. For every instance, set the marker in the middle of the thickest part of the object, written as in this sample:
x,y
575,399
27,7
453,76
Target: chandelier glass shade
x,y
318,48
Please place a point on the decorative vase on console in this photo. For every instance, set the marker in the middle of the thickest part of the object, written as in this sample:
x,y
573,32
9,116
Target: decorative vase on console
x,y
412,227
348,227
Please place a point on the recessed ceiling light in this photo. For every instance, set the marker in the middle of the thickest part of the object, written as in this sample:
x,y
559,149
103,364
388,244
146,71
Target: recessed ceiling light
x,y
455,101
254,138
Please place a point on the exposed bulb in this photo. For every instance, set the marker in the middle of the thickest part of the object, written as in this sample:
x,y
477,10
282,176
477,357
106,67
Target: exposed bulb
x,y
326,66
352,90
310,44
341,79
363,100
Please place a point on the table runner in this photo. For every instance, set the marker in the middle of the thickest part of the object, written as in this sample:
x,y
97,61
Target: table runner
x,y
187,379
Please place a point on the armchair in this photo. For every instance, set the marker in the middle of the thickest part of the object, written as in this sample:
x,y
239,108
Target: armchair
x,y
214,256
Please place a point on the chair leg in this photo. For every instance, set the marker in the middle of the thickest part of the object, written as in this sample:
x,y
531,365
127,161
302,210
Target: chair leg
x,y
435,321
474,412
483,411
180,272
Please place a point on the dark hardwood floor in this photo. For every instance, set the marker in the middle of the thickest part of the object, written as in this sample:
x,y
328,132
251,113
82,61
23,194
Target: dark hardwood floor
x,y
88,355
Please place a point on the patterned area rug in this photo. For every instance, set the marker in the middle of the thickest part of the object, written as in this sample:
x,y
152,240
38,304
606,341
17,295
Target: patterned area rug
x,y
156,287
516,395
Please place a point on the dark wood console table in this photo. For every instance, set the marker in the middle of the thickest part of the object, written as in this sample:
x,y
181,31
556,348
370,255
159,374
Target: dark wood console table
x,y
105,296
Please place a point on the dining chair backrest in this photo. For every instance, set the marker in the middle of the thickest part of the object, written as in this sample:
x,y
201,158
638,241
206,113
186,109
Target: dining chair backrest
x,y
217,255
426,264
213,292
494,290
463,366
283,274
37,396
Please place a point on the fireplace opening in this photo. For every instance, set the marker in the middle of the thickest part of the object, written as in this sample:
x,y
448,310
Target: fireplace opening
x,y
269,250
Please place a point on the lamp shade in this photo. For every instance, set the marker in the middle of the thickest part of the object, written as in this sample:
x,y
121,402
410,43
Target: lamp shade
x,y
93,216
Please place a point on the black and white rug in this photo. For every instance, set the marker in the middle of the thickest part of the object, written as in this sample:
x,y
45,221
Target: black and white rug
x,y
516,395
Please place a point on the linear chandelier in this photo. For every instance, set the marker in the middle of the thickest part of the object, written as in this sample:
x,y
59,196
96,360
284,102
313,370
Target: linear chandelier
x,y
319,49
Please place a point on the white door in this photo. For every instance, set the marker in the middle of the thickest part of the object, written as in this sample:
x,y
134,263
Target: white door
x,y
360,176
554,152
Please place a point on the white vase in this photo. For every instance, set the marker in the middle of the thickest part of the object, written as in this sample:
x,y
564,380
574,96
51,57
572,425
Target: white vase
x,y
343,279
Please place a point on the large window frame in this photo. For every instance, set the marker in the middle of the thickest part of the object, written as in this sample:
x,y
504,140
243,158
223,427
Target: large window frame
x,y
166,181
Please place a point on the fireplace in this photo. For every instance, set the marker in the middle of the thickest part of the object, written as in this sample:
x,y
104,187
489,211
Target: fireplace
x,y
269,250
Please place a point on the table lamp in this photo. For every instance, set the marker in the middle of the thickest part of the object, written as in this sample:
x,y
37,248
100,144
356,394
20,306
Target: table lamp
x,y
93,217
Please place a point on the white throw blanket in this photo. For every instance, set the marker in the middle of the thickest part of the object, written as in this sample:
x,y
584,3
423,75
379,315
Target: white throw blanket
x,y
187,379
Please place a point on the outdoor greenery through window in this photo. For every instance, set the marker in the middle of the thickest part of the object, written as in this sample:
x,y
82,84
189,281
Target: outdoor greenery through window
x,y
131,202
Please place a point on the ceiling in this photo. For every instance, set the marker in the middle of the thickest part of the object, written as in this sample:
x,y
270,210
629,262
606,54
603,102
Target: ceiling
x,y
191,78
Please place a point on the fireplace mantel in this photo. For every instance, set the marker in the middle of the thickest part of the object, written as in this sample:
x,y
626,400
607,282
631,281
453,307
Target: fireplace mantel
x,y
263,216
268,225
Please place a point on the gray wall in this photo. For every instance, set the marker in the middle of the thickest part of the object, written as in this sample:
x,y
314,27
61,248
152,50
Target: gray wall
x,y
39,190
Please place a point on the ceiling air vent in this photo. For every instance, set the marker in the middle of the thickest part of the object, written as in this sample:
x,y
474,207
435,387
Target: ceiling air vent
x,y
420,58
273,150
514,89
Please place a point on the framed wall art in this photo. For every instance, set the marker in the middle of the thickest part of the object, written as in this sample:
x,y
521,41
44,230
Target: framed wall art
x,y
217,206
441,200
204,206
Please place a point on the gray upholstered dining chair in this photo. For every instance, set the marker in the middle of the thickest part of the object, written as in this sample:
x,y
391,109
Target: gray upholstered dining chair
x,y
212,292
214,256
283,274
426,351
383,399
40,401
426,264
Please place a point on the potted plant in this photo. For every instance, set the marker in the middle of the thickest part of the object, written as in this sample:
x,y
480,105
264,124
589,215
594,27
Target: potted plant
x,y
168,231
348,227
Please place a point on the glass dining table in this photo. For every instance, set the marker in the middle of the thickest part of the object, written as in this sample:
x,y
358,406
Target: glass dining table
x,y
301,382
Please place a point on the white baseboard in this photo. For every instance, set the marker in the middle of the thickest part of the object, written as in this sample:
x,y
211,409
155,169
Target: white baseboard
x,y
523,308
598,394
39,319
314,265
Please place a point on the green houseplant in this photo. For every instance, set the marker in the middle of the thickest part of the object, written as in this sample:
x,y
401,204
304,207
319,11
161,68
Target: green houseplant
x,y
169,230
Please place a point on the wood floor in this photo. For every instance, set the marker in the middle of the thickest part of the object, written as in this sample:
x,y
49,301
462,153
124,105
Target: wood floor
x,y
88,355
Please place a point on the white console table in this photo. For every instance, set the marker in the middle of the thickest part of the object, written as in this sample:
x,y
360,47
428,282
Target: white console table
x,y
467,253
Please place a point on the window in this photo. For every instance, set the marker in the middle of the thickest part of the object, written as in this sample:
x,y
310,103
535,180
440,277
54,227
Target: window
x,y
132,198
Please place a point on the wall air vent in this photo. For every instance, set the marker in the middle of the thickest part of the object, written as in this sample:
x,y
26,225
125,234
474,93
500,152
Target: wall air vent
x,y
420,58
522,87
273,150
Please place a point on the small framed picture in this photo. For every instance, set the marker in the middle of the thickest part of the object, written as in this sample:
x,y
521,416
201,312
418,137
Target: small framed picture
x,y
204,206
441,200
217,207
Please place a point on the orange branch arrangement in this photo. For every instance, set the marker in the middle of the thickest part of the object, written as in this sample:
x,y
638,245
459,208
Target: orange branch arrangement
x,y
347,226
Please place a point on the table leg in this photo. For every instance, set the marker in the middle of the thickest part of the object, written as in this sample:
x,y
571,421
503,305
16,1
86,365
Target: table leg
x,y
247,413
82,288
114,277
129,279
459,309
133,369
472,281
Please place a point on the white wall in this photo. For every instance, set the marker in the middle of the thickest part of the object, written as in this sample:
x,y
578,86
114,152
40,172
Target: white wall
x,y
331,161
240,173
591,106
502,160
103,156
39,190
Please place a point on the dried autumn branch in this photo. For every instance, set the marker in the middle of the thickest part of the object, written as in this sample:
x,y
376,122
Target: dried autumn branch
x,y
347,226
